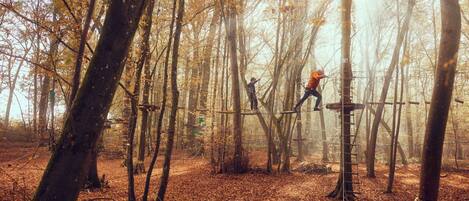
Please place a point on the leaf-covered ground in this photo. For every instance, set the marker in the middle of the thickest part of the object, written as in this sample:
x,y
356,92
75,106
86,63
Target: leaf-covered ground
x,y
191,180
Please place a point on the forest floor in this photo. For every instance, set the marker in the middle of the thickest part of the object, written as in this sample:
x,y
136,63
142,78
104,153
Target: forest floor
x,y
191,179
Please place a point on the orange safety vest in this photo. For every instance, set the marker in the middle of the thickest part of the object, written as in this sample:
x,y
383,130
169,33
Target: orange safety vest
x,y
314,79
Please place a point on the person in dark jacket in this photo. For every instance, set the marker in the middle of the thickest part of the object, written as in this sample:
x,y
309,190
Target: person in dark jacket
x,y
252,93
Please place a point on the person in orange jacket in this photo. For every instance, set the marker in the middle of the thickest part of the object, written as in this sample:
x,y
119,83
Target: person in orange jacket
x,y
311,87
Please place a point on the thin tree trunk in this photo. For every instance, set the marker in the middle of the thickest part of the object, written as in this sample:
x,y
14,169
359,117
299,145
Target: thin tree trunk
x,y
52,116
144,63
159,125
299,137
35,72
409,128
69,163
193,87
214,97
370,167
206,58
134,100
389,131
441,100
45,87
395,135
81,51
325,147
231,26
174,101
12,85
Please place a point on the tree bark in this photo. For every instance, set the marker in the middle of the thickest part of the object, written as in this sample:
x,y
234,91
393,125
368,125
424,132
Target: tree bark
x,y
231,30
194,85
325,146
344,187
81,51
144,63
67,167
159,124
397,125
45,87
92,180
206,58
174,101
12,86
408,116
441,100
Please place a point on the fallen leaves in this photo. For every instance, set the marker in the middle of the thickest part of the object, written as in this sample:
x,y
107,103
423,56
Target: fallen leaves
x,y
191,179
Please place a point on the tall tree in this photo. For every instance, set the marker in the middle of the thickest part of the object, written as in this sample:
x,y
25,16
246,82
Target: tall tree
x,y
45,85
408,115
396,119
174,106
371,152
159,124
231,31
206,59
144,63
67,167
441,100
344,187
12,85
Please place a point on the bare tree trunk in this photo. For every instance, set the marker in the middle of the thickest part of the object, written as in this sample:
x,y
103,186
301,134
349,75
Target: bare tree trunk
x,y
194,84
216,63
231,30
441,100
396,122
206,58
134,100
144,63
344,187
159,125
92,180
180,136
45,87
325,147
408,109
69,163
299,137
174,101
12,86
389,131
35,72
81,51
370,166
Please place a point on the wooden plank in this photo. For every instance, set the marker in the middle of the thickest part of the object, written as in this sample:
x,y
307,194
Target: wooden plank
x,y
288,112
398,103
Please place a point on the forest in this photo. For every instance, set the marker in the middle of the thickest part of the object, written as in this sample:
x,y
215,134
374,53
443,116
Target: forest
x,y
289,100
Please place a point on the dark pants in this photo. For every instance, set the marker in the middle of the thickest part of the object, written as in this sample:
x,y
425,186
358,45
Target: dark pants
x,y
253,101
308,93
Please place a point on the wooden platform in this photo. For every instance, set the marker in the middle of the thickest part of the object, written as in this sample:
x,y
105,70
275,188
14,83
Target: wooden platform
x,y
242,112
459,100
288,112
346,106
398,103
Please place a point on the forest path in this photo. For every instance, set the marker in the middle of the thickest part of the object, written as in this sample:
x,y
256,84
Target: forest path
x,y
191,180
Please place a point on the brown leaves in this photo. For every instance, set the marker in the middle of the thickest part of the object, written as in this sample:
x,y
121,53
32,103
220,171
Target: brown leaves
x,y
190,179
